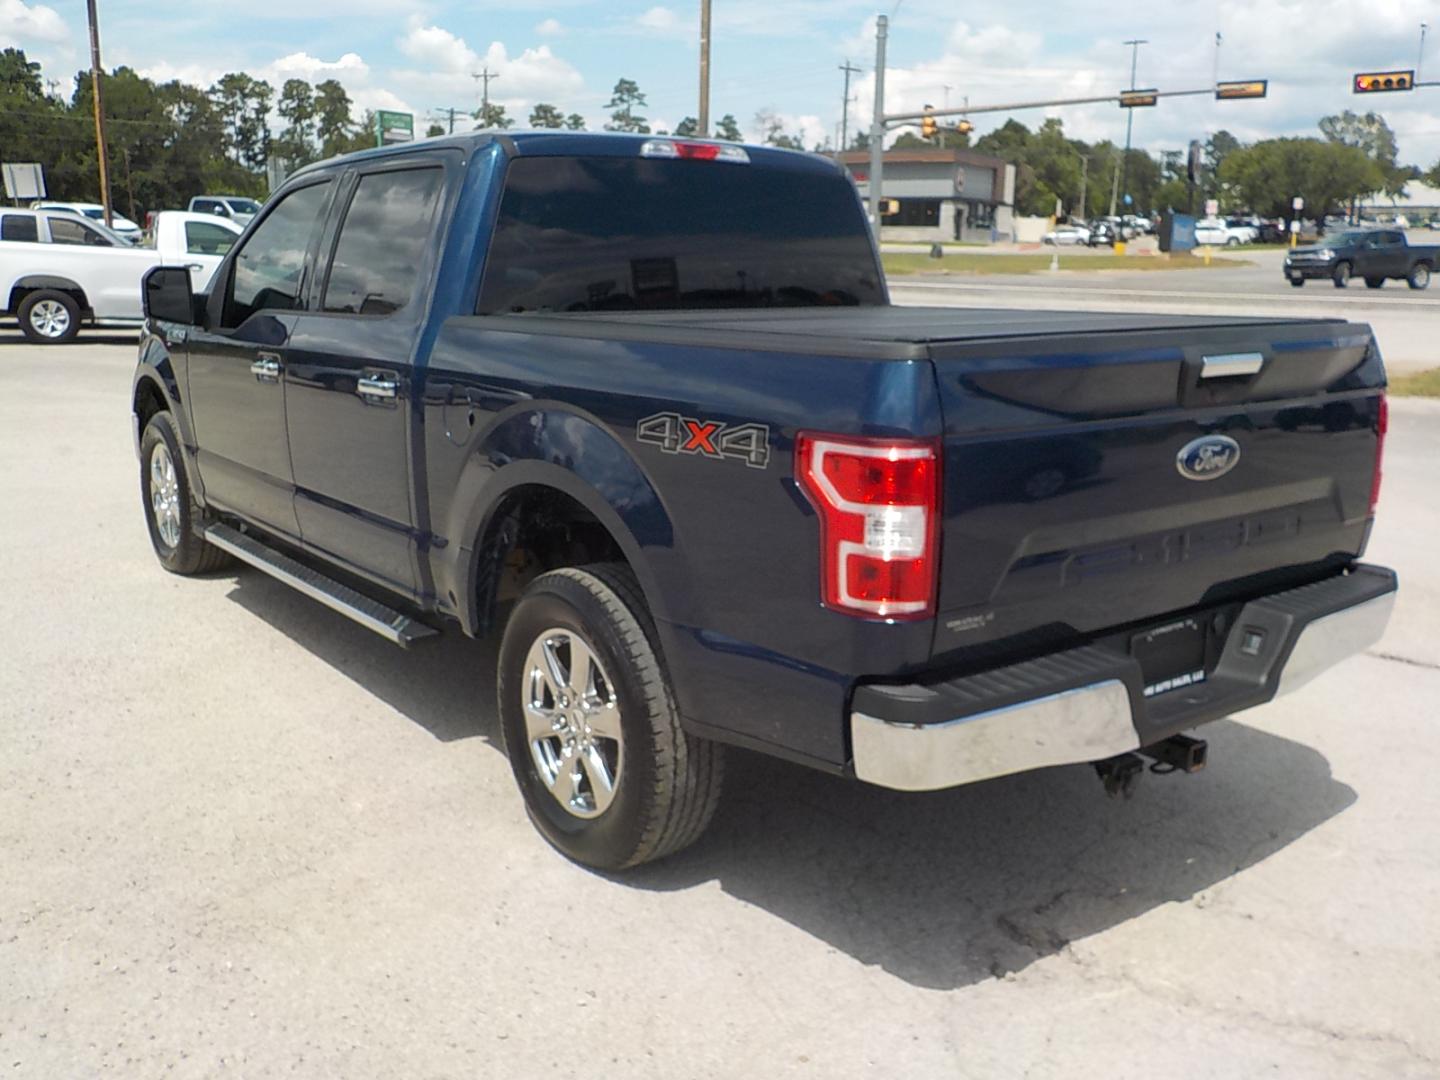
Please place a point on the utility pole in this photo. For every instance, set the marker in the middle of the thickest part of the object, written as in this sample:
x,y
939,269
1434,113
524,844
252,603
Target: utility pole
x,y
1420,63
703,121
877,122
1218,41
99,112
1121,175
484,76
849,69
1084,178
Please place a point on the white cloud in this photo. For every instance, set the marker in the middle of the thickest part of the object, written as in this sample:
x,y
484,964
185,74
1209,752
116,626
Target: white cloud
x,y
662,21
549,28
22,23
302,65
447,65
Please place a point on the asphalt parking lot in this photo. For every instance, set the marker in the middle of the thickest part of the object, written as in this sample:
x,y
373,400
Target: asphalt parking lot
x,y
244,837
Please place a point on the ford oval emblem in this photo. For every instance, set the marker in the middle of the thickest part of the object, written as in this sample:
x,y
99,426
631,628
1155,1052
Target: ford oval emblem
x,y
1208,457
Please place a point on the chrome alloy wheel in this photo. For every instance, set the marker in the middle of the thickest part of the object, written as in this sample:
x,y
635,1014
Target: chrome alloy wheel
x,y
50,319
165,495
572,722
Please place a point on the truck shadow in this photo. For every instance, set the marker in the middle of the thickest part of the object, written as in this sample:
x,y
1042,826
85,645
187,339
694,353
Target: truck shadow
x,y
942,889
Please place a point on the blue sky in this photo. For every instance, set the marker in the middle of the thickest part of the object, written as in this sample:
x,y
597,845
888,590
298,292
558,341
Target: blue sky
x,y
782,56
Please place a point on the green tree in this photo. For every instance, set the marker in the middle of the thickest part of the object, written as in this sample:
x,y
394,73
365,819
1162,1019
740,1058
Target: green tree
x,y
20,75
728,130
1371,134
334,122
1326,174
546,116
575,122
624,100
434,129
772,131
491,115
244,102
687,127
296,143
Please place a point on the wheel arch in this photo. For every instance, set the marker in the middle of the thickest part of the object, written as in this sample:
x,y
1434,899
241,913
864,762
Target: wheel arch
x,y
28,283
556,486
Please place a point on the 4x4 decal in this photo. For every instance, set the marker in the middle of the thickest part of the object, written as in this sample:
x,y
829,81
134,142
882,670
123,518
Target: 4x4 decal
x,y
676,434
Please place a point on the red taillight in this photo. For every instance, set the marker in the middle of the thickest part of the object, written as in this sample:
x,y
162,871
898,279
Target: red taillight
x,y
694,151
879,500
1382,428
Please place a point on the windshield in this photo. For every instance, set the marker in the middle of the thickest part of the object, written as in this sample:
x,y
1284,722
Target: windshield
x,y
96,214
244,206
1349,239
612,234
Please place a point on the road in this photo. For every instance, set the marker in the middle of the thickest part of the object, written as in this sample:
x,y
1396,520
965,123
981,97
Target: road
x,y
1406,322
244,837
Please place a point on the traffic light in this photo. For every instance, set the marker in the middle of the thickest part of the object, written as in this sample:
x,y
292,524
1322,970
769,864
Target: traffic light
x,y
1254,88
1384,82
889,207
928,126
1136,99
964,127
1193,161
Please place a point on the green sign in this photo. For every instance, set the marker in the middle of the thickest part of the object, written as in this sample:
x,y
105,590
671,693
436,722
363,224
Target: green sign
x,y
393,127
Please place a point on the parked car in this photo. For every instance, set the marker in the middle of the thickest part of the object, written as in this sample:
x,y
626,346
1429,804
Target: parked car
x,y
1247,229
1216,233
1376,255
1102,234
59,271
1066,235
235,207
119,224
708,486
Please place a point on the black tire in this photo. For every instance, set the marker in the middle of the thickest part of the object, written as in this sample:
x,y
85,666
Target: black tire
x,y
1341,275
1297,282
41,314
1374,282
1419,276
1232,241
189,554
666,782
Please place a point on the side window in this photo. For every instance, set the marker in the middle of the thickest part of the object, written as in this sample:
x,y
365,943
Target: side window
x,y
69,230
269,268
383,242
1393,239
20,227
202,238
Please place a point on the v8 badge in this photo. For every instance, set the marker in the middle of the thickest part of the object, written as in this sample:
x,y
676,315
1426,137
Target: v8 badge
x,y
676,434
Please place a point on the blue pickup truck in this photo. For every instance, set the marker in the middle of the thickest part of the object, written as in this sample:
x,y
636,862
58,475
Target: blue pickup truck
x,y
641,406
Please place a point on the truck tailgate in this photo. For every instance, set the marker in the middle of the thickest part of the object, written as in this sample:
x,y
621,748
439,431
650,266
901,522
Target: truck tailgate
x,y
1106,478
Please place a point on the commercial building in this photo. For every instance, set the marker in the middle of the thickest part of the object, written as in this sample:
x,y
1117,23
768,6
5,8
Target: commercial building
x,y
941,194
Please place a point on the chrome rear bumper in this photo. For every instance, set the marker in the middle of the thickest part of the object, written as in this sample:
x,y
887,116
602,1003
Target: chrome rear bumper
x,y
901,737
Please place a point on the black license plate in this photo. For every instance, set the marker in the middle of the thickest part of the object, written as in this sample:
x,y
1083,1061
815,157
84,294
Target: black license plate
x,y
1171,657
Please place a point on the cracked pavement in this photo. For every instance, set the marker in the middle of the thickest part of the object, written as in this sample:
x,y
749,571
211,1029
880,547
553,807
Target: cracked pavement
x,y
244,837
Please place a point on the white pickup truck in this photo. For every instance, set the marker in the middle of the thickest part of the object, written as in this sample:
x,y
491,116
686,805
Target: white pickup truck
x,y
59,270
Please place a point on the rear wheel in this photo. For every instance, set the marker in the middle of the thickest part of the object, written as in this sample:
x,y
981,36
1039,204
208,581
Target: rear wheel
x,y
1374,282
174,521
1341,275
590,725
48,317
1233,241
1419,276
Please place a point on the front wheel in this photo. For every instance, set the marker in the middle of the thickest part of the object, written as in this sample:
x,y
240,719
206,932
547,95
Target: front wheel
x,y
1419,276
1341,275
1297,282
590,724
1374,282
1233,241
173,519
48,317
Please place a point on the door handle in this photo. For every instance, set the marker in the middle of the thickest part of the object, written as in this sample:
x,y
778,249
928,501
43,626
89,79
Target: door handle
x,y
194,266
380,387
1225,367
266,368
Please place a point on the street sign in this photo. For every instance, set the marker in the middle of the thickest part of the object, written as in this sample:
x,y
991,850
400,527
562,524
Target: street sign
x,y
1212,207
1254,88
1294,226
1297,203
393,127
24,180
1138,99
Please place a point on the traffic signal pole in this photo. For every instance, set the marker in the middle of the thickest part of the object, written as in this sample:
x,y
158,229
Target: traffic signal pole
x,y
877,123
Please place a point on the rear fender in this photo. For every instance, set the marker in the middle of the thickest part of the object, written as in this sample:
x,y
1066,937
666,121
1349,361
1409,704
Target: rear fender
x,y
572,453
31,282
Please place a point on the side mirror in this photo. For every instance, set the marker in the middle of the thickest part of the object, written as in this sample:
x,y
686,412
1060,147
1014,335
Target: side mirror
x,y
167,296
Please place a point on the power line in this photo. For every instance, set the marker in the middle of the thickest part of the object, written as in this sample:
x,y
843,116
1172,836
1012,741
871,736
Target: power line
x,y
849,69
485,76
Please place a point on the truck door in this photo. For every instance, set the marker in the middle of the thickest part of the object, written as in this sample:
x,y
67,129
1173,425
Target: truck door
x,y
237,362
351,367
1392,253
